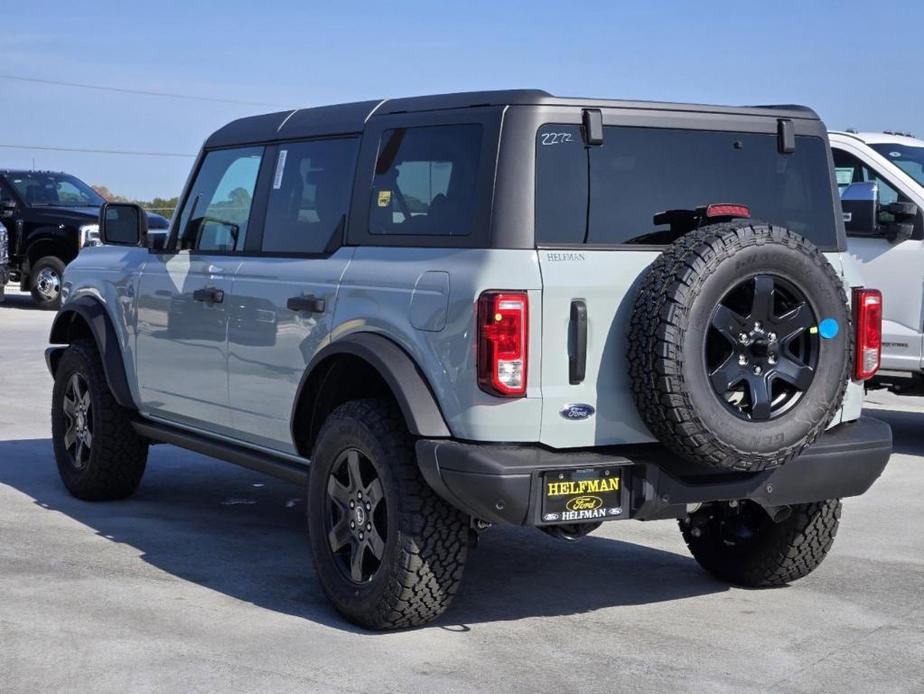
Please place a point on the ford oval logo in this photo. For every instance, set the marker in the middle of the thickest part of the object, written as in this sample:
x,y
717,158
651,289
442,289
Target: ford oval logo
x,y
577,411
584,503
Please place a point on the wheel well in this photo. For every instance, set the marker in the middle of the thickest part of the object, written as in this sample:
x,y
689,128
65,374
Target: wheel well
x,y
69,328
46,247
66,330
86,318
336,380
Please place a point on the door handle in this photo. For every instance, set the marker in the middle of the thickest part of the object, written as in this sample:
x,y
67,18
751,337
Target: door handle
x,y
209,295
307,304
577,357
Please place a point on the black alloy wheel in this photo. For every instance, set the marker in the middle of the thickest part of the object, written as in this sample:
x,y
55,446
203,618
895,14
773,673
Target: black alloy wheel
x,y
357,516
78,413
762,347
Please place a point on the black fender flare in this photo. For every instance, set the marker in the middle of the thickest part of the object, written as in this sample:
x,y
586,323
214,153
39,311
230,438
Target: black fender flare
x,y
95,316
396,367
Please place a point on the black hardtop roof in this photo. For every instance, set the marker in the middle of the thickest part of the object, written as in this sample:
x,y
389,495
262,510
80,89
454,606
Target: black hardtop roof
x,y
350,118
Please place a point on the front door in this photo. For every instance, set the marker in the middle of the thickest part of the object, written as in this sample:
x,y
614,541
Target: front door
x,y
182,343
284,295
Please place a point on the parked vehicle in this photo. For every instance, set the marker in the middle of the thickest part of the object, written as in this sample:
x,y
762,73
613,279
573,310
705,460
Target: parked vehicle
x,y
4,261
566,320
50,217
889,242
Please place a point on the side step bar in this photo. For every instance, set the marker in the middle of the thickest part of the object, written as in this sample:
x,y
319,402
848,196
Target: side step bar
x,y
239,455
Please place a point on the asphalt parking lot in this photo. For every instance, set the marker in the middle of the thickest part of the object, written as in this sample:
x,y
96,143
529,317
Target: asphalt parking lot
x,y
203,582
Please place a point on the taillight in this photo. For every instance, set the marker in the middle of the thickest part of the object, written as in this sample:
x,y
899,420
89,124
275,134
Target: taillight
x,y
867,314
503,335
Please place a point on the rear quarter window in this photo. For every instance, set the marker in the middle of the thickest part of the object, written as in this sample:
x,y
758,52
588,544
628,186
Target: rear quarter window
x,y
426,181
639,172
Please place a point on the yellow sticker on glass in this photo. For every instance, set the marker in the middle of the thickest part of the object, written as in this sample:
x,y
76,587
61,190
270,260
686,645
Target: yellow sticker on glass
x,y
384,198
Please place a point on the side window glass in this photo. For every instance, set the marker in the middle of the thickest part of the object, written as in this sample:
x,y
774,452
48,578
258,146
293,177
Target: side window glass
x,y
860,172
217,211
561,185
310,195
847,169
425,181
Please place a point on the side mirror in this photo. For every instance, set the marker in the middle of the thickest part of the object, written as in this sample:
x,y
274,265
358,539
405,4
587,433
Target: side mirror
x,y
860,204
902,228
7,208
123,224
216,235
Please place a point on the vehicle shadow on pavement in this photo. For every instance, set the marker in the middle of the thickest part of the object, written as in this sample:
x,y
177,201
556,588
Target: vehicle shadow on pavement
x,y
243,534
22,302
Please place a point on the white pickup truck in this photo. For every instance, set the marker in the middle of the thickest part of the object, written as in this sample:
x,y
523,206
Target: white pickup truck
x,y
889,242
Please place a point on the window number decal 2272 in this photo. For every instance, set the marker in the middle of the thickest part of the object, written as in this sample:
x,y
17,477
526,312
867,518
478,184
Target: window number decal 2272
x,y
555,138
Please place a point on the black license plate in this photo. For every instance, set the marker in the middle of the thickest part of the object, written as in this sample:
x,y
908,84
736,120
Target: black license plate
x,y
577,496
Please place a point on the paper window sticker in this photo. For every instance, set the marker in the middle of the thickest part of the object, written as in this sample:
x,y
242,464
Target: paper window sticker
x,y
280,169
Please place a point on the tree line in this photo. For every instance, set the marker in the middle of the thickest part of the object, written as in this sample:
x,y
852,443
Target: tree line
x,y
161,206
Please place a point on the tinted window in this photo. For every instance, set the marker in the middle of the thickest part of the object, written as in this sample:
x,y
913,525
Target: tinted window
x,y
217,211
310,195
639,172
561,185
51,189
425,181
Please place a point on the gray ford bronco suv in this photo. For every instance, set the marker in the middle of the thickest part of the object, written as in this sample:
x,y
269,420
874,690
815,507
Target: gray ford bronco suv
x,y
448,312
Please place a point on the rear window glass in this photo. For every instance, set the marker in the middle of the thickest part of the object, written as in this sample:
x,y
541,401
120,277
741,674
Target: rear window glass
x,y
609,194
425,181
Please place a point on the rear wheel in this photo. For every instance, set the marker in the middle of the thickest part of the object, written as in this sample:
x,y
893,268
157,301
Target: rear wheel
x,y
388,551
99,454
45,282
741,544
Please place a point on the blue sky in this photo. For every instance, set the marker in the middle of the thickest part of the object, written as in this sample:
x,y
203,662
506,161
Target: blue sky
x,y
859,64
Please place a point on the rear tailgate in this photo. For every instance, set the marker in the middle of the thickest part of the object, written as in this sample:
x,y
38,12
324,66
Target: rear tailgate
x,y
595,208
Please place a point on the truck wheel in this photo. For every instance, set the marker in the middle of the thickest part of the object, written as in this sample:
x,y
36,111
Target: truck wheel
x,y
742,545
45,282
388,551
739,346
99,455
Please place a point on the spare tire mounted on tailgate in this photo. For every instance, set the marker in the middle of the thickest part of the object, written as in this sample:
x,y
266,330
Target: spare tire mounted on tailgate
x,y
738,347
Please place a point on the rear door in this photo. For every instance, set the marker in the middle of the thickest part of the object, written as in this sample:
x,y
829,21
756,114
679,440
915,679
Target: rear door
x,y
897,269
183,296
285,290
596,235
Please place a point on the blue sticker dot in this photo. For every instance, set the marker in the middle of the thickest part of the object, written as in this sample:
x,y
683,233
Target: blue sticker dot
x,y
828,328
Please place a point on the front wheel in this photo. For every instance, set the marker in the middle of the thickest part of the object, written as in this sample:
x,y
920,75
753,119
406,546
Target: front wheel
x,y
99,454
388,551
45,282
738,542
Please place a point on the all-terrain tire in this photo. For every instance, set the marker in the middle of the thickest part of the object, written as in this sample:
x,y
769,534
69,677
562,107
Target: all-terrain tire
x,y
667,339
425,547
777,554
45,299
117,454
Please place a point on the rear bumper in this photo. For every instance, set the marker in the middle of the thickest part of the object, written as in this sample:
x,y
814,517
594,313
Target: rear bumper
x,y
502,484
